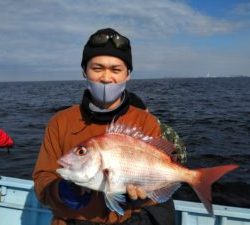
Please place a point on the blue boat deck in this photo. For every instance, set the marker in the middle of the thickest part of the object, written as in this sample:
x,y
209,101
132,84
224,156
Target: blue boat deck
x,y
19,206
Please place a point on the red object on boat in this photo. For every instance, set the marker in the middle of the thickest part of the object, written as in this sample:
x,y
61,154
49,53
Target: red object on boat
x,y
5,140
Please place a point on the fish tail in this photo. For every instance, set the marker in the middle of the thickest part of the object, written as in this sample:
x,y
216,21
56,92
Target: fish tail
x,y
207,176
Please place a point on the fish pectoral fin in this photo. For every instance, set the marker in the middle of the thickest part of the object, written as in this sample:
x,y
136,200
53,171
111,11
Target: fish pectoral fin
x,y
112,201
163,194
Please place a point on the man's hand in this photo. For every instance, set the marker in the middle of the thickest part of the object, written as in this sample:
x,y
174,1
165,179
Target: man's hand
x,y
136,192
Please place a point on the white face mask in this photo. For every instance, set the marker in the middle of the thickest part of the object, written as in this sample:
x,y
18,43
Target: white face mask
x,y
105,93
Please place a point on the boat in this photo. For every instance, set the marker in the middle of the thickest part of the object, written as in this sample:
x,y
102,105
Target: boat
x,y
19,206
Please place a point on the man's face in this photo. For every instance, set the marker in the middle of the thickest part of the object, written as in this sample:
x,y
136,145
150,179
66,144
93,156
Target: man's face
x,y
107,69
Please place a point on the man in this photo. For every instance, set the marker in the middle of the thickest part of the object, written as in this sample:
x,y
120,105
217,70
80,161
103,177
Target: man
x,y
106,63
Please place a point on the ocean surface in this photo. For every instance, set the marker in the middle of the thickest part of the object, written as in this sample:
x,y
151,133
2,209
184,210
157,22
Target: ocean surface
x,y
212,115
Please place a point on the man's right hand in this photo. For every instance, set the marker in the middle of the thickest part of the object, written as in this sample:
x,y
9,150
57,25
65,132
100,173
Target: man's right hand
x,y
135,192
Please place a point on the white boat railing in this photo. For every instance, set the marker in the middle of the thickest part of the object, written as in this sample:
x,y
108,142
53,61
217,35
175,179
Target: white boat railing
x,y
19,206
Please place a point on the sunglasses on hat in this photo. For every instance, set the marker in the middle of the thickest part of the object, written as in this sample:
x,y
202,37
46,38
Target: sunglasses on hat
x,y
100,40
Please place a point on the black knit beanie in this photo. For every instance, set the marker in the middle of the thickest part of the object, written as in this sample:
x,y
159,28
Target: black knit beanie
x,y
108,49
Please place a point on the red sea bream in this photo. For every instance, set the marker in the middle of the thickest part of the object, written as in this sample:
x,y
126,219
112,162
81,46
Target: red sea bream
x,y
124,155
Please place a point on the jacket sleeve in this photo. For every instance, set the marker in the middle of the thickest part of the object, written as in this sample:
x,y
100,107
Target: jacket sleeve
x,y
46,180
155,128
171,135
44,175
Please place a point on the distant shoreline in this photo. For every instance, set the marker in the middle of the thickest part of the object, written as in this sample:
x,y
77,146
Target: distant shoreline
x,y
158,78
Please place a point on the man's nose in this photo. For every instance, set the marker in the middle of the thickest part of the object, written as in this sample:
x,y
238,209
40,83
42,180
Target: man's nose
x,y
106,77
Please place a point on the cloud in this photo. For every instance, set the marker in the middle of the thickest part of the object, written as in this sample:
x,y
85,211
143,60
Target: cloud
x,y
187,61
79,16
242,9
161,17
50,34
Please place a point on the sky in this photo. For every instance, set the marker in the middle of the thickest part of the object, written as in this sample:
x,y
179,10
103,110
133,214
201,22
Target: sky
x,y
44,39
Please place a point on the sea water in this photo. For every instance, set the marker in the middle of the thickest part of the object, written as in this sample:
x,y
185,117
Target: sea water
x,y
212,115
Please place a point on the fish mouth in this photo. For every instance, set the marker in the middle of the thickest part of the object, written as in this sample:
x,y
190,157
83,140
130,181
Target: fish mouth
x,y
63,163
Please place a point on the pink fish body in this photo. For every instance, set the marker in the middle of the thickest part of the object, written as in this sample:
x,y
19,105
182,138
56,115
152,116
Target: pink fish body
x,y
123,156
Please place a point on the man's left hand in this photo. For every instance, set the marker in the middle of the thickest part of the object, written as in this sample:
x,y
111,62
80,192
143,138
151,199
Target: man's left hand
x,y
135,192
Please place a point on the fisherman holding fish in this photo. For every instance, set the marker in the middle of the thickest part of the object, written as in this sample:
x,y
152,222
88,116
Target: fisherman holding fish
x,y
105,161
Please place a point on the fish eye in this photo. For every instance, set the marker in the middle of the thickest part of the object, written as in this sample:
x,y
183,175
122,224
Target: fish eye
x,y
81,151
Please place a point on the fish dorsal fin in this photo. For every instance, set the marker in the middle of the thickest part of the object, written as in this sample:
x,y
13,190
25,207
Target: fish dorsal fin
x,y
132,131
163,145
163,194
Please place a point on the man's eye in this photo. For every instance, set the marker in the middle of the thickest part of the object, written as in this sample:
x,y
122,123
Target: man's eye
x,y
116,70
97,69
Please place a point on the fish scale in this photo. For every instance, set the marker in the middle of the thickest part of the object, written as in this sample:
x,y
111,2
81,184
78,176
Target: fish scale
x,y
135,175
